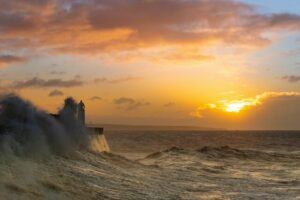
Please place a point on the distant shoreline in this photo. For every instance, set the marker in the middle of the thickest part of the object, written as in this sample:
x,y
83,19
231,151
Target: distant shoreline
x,y
151,127
124,127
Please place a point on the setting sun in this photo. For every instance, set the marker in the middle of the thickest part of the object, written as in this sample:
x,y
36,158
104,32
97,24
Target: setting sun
x,y
235,107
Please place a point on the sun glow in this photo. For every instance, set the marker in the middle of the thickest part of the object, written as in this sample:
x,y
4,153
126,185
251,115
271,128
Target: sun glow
x,y
235,107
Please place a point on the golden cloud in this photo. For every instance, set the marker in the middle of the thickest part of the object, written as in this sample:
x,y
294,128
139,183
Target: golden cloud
x,y
100,27
269,110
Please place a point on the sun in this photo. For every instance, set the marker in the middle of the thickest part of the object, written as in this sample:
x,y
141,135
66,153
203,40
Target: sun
x,y
235,107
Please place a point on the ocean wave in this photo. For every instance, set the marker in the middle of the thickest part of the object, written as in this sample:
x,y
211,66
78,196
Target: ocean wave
x,y
226,152
175,173
85,175
65,170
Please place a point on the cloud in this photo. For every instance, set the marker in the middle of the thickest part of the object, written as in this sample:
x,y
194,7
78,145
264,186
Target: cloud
x,y
7,59
101,27
269,110
114,81
55,93
95,98
292,78
77,76
169,104
57,72
129,103
187,55
41,83
15,22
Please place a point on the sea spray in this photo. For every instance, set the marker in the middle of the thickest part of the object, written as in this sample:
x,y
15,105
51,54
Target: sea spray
x,y
74,129
98,143
26,130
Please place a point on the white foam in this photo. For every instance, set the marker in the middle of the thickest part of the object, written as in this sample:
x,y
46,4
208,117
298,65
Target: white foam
x,y
98,143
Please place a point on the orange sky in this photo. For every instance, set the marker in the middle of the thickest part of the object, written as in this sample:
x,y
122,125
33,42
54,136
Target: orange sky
x,y
218,63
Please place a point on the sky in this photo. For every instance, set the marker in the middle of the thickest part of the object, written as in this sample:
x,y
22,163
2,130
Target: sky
x,y
231,64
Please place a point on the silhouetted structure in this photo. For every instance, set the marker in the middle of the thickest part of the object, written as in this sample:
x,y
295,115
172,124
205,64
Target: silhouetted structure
x,y
80,115
81,112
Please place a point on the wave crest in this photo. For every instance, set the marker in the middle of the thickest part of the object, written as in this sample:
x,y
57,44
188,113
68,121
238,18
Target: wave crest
x,y
224,152
28,131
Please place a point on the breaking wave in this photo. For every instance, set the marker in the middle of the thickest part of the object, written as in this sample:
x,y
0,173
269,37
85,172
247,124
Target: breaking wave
x,y
226,152
26,130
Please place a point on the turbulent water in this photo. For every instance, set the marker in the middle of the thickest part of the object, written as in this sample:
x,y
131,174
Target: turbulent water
x,y
203,165
42,157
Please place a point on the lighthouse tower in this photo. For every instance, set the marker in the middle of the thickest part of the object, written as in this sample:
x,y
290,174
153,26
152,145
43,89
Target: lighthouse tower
x,y
81,112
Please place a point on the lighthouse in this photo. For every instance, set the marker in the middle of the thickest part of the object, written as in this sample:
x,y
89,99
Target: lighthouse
x,y
95,134
81,112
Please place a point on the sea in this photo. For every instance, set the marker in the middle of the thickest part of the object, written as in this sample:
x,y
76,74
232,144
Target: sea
x,y
163,165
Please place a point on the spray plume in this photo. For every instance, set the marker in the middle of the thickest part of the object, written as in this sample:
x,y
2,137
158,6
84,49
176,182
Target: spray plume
x,y
28,131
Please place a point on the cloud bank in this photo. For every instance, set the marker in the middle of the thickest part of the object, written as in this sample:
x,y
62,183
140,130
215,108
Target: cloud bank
x,y
89,27
41,83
